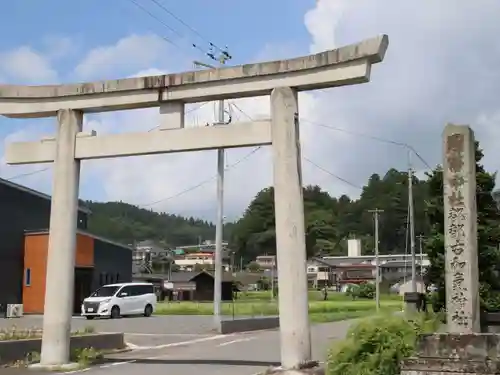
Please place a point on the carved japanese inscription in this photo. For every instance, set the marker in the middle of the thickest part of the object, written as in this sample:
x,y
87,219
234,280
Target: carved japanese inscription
x,y
456,225
461,241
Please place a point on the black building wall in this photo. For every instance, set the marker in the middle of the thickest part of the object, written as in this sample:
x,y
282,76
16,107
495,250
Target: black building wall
x,y
112,263
20,210
205,288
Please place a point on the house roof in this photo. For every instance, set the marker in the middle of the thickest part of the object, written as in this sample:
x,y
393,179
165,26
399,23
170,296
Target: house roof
x,y
397,264
187,276
247,278
36,193
102,239
338,262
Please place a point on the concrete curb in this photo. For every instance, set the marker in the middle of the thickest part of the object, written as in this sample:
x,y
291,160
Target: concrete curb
x,y
249,324
18,350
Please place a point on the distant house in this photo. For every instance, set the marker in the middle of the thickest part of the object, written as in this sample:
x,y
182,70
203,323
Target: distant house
x,y
266,261
320,274
190,285
405,286
395,271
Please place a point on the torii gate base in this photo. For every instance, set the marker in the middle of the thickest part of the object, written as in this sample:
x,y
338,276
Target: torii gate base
x,y
281,79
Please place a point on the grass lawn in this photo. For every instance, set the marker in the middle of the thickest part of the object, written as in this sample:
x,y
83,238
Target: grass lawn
x,y
337,307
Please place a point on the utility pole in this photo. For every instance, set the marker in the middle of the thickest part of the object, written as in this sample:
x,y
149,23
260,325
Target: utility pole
x,y
219,225
272,278
412,230
421,240
376,213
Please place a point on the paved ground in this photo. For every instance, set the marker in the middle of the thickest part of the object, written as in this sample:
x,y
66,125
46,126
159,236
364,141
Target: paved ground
x,y
175,344
167,329
242,354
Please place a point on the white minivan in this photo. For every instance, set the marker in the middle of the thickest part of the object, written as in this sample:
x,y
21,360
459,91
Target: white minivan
x,y
117,300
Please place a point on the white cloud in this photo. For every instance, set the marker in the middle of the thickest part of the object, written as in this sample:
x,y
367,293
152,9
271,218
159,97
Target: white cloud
x,y
132,53
57,46
25,65
441,66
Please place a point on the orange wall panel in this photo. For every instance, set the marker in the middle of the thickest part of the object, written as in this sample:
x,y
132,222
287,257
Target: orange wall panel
x,y
35,259
84,251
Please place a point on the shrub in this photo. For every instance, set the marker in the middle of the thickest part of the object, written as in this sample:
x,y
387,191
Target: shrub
x,y
367,290
352,291
377,345
363,290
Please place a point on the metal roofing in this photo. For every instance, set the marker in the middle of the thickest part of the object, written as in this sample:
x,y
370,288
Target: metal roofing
x,y
36,193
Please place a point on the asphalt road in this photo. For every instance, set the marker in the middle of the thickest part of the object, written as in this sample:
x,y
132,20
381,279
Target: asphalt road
x,y
175,344
244,354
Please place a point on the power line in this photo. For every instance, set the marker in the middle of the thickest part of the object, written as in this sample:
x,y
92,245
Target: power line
x,y
332,174
188,26
305,158
241,111
152,15
27,174
368,136
372,137
202,183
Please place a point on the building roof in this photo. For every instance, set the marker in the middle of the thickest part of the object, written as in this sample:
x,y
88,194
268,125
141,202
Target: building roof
x,y
246,278
332,262
85,233
37,193
398,264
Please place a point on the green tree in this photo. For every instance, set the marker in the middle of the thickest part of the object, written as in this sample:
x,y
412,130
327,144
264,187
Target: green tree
x,y
254,234
488,237
253,267
129,224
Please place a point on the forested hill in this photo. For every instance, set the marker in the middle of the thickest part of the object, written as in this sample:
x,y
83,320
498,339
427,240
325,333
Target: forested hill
x,y
331,221
126,223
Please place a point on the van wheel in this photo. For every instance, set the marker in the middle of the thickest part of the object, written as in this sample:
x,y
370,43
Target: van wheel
x,y
115,312
90,317
148,311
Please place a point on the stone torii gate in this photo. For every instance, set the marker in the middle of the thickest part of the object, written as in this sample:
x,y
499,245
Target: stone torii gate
x,y
282,80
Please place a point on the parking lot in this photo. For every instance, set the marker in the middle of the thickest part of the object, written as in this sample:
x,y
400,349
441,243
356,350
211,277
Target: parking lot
x,y
176,344
139,331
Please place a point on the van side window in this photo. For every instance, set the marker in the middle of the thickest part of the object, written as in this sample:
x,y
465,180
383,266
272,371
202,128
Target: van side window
x,y
140,290
127,289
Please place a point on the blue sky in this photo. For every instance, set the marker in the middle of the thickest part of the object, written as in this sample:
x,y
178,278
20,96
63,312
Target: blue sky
x,y
442,66
44,26
246,29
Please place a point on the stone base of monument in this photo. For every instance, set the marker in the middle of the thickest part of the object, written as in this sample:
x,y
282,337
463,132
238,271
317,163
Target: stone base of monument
x,y
309,368
454,353
414,302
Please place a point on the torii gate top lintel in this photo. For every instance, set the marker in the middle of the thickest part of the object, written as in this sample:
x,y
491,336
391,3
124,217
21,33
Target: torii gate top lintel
x,y
342,66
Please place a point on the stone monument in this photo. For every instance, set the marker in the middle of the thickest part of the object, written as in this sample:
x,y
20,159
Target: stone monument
x,y
463,349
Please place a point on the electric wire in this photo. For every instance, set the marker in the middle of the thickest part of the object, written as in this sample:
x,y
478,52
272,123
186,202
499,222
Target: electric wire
x,y
305,158
180,20
364,135
202,183
332,174
159,20
372,137
27,174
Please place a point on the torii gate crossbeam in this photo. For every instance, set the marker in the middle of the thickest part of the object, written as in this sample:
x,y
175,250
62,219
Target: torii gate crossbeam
x,y
280,79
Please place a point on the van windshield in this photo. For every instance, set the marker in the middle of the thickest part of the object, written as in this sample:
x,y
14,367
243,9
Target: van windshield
x,y
105,291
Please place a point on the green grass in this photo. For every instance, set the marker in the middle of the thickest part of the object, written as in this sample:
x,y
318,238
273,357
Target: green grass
x,y
337,307
314,295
